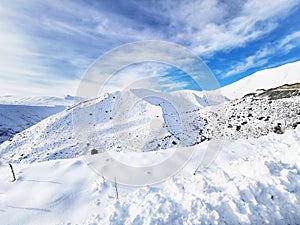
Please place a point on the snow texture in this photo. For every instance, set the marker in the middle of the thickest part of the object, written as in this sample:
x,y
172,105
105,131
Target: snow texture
x,y
255,178
254,181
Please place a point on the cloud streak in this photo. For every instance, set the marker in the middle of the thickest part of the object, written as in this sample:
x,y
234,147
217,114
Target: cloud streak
x,y
261,57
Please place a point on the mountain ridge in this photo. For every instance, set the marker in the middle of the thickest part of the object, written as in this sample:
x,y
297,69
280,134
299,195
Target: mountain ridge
x,y
264,79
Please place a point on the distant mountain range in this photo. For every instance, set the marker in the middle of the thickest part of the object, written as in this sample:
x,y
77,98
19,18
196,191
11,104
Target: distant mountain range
x,y
20,113
37,100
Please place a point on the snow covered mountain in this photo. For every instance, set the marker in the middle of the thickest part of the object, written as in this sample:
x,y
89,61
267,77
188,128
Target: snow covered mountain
x,y
155,123
16,118
263,80
19,113
254,178
37,101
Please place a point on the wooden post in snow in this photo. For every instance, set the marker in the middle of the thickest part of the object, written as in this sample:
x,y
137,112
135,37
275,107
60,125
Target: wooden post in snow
x,y
13,173
116,187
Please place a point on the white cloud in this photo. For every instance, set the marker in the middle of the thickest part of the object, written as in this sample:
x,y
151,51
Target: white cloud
x,y
249,21
37,87
256,60
260,58
290,41
51,40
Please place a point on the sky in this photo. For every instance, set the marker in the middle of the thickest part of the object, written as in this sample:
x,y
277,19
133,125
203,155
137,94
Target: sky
x,y
48,46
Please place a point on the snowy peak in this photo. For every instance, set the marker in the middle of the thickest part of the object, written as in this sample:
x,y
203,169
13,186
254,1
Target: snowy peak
x,y
139,119
265,79
149,120
183,100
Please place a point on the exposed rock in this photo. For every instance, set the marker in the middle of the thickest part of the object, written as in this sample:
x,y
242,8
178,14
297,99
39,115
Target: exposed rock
x,y
254,115
278,129
94,151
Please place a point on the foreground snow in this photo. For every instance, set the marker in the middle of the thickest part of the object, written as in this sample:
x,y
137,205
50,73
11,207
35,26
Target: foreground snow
x,y
254,181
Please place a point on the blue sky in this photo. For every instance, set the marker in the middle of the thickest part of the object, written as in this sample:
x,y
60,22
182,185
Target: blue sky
x,y
46,46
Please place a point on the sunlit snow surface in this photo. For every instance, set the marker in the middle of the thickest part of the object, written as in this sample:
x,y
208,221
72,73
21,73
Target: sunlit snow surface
x,y
253,181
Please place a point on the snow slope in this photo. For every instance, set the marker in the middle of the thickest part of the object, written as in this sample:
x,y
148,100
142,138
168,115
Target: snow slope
x,y
149,125
152,124
16,118
19,113
254,181
253,115
265,79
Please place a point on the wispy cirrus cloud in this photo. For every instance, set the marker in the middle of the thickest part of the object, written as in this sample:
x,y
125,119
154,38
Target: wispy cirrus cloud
x,y
261,57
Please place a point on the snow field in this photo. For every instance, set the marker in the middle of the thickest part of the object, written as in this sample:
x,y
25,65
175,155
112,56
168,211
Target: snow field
x,y
254,181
